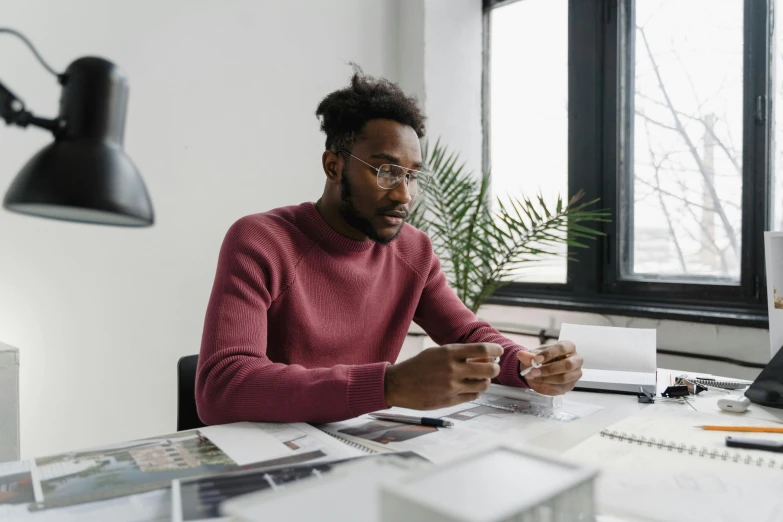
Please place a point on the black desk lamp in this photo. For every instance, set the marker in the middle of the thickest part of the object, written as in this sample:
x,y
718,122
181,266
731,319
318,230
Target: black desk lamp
x,y
84,175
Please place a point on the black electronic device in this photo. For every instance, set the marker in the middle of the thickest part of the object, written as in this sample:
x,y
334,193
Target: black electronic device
x,y
675,392
748,443
767,389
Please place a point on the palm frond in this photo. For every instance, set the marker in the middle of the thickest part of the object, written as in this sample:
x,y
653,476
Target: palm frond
x,y
481,249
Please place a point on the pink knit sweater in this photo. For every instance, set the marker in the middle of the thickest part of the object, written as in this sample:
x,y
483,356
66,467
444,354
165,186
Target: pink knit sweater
x,y
303,321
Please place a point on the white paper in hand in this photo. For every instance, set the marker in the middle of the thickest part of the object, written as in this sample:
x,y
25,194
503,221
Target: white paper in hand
x,y
245,443
615,359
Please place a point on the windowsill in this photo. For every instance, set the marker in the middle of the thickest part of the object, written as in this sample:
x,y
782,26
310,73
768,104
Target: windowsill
x,y
752,318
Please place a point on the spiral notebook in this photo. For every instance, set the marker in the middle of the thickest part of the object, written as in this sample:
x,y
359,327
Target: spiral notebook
x,y
676,440
649,458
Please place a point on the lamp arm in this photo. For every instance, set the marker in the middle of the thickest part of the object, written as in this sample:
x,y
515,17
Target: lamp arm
x,y
12,110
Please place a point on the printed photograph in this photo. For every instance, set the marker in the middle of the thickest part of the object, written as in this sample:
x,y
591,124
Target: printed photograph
x,y
385,432
776,272
142,465
16,486
201,498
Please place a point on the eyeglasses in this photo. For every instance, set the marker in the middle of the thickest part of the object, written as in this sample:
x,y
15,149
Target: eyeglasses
x,y
390,175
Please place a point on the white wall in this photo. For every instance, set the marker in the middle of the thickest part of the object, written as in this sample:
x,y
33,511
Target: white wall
x,y
452,53
440,62
221,124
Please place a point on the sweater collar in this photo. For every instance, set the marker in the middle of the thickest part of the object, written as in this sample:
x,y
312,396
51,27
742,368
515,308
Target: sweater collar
x,y
321,231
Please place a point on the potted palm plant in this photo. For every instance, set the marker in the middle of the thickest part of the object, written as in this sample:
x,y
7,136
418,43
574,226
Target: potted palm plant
x,y
481,247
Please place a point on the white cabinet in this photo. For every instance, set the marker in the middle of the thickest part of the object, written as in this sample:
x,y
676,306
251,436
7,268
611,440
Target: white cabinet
x,y
9,403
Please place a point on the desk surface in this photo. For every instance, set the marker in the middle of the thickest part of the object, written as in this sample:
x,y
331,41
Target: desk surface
x,y
618,407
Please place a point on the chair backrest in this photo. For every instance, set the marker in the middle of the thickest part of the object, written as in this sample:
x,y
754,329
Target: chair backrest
x,y
187,414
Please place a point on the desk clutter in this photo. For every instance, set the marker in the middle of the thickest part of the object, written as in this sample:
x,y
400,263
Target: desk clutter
x,y
388,491
676,456
198,474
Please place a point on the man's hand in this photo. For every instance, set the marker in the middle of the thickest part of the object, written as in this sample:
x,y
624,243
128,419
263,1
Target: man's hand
x,y
442,376
562,367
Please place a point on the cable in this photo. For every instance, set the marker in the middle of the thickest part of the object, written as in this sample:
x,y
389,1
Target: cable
x,y
32,48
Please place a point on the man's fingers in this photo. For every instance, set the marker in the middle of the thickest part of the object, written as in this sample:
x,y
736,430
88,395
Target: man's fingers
x,y
527,358
467,397
475,370
567,365
476,350
559,349
474,386
551,389
561,378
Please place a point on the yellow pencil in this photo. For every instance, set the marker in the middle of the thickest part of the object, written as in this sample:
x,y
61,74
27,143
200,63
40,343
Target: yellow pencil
x,y
758,429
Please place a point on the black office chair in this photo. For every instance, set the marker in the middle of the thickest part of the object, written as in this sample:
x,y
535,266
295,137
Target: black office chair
x,y
187,414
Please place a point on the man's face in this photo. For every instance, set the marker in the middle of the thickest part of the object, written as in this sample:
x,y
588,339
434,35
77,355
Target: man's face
x,y
373,211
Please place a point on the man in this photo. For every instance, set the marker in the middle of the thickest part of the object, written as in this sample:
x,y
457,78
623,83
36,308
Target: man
x,y
311,303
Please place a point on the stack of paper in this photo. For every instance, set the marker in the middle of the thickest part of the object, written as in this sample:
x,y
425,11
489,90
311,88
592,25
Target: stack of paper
x,y
615,359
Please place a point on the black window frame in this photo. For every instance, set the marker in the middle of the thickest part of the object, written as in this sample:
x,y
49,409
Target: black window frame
x,y
601,36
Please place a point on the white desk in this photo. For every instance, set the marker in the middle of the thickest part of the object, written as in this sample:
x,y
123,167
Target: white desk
x,y
562,438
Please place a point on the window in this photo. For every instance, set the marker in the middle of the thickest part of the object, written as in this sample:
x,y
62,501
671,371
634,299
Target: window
x,y
529,112
664,114
685,193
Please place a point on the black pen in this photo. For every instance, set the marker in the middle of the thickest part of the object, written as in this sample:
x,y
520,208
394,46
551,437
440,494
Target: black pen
x,y
408,419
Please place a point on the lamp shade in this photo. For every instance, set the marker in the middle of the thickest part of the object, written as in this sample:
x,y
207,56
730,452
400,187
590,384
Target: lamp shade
x,y
85,175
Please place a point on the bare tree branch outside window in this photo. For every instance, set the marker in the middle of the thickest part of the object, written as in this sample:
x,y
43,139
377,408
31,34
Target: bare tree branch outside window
x,y
687,171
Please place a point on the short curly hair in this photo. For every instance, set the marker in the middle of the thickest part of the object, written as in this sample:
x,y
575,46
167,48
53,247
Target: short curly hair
x,y
344,113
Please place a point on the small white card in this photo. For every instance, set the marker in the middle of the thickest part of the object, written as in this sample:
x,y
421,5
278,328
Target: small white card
x,y
245,443
613,348
615,359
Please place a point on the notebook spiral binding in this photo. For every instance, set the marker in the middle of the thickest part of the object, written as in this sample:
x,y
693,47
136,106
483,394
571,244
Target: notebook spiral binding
x,y
726,385
726,455
351,443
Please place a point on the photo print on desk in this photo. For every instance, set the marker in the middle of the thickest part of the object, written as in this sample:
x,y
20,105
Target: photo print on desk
x,y
127,468
773,242
16,483
384,432
200,499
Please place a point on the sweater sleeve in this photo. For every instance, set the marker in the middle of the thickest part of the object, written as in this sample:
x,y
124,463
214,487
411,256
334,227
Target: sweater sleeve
x,y
448,321
236,381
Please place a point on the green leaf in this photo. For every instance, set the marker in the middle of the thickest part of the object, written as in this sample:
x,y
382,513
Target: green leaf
x,y
482,250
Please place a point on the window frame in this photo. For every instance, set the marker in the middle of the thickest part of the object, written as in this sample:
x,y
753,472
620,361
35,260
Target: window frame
x,y
600,47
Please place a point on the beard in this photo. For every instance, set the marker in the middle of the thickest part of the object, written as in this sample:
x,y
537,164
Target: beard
x,y
351,215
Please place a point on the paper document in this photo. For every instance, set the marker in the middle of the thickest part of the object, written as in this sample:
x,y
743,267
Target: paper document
x,y
245,442
615,359
493,420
